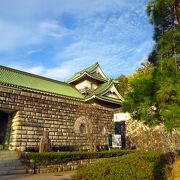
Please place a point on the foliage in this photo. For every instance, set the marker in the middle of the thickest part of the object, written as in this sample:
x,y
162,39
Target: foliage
x,y
153,56
154,96
139,99
123,84
48,158
144,165
164,16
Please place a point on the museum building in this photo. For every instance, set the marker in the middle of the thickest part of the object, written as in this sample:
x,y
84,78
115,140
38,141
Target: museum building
x,y
78,114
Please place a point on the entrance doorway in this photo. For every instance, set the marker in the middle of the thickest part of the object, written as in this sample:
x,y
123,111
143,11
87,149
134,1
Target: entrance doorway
x,y
5,129
120,128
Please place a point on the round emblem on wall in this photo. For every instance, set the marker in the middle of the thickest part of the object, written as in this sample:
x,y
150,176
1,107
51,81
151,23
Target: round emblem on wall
x,y
82,125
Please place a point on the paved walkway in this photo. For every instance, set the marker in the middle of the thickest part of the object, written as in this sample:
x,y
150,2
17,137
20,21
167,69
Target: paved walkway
x,y
61,176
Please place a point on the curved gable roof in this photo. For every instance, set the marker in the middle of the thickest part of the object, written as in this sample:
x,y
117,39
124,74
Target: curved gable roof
x,y
99,93
20,79
88,71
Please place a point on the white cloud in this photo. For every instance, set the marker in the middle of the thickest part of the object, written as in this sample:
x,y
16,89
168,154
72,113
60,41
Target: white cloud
x,y
14,35
61,72
32,51
118,43
38,70
35,70
34,9
110,31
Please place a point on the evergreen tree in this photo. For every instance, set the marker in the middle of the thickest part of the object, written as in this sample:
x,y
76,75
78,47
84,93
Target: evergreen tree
x,y
164,15
139,99
154,90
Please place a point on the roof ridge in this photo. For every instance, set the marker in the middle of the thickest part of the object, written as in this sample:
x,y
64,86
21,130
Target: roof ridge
x,y
33,75
96,77
88,74
95,64
82,71
13,77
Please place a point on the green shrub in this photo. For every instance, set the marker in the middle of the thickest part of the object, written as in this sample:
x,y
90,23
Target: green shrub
x,y
64,157
139,166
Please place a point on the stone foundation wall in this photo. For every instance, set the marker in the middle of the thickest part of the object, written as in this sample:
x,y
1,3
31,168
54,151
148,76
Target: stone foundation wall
x,y
34,112
70,166
141,136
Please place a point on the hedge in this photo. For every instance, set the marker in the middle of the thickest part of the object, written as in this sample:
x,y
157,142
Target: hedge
x,y
142,165
64,157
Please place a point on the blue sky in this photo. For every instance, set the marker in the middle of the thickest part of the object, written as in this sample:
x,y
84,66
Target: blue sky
x,y
56,38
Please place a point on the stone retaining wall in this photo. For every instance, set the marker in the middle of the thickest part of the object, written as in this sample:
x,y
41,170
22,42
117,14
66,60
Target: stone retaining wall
x,y
70,166
141,136
34,112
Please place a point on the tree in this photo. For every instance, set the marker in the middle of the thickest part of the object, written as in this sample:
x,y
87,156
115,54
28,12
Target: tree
x,y
165,17
123,84
153,56
154,90
139,100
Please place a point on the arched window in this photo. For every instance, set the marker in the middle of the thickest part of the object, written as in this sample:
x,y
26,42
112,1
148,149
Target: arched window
x,y
82,128
82,125
102,131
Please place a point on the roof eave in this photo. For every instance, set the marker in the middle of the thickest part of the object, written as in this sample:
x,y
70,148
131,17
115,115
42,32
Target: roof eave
x,y
102,99
105,89
86,73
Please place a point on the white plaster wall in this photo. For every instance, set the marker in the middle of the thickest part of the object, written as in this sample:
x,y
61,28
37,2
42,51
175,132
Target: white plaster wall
x,y
121,117
112,95
86,84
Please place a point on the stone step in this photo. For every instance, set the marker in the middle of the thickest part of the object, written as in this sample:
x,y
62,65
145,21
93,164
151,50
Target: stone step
x,y
8,172
6,164
8,158
11,155
7,152
11,168
4,161
10,163
8,155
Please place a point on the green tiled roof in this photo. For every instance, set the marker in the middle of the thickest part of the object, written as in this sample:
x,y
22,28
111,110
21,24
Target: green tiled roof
x,y
88,70
109,99
100,90
103,87
21,79
104,98
24,80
